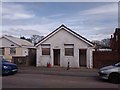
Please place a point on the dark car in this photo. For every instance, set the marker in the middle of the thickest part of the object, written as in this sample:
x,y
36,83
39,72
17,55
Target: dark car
x,y
8,67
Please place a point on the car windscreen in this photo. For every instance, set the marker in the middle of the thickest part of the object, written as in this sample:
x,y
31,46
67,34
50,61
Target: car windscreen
x,y
117,64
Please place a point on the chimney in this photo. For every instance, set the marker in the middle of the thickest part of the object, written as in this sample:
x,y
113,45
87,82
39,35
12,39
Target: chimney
x,y
111,36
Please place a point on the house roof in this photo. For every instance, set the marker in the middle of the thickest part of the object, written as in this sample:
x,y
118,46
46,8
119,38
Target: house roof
x,y
18,41
68,30
117,30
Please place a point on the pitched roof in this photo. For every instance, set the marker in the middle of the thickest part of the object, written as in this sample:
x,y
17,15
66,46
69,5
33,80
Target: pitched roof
x,y
117,30
18,41
67,29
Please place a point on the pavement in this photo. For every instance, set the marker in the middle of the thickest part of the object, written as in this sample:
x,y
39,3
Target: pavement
x,y
61,71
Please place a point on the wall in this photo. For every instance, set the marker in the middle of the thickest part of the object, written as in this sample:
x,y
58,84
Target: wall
x,y
7,54
104,58
25,51
18,51
20,61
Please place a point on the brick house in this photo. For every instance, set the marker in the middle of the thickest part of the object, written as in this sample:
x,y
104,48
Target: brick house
x,y
110,57
115,41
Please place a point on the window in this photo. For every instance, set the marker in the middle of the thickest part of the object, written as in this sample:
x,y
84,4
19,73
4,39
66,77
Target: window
x,y
1,51
12,50
12,44
69,52
69,49
45,49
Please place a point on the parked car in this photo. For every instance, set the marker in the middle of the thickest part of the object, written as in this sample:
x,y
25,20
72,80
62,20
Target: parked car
x,y
111,73
8,67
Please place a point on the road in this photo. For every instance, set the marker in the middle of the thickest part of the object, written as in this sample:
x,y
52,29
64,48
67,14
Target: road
x,y
33,77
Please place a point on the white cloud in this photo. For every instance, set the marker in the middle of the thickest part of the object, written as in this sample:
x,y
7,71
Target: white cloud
x,y
87,23
56,15
105,9
12,11
98,36
17,16
29,30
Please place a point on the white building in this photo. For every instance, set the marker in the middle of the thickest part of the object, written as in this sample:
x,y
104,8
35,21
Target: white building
x,y
62,46
14,47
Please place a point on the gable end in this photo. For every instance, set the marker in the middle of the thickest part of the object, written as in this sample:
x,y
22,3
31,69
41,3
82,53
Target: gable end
x,y
68,30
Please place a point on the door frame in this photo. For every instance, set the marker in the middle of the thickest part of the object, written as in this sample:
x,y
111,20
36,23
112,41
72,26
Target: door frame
x,y
57,52
84,62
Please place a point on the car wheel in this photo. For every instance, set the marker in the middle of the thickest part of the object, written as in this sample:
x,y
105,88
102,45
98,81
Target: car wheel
x,y
114,78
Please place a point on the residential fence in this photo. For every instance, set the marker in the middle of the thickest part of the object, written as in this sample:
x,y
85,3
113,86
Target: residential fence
x,y
104,58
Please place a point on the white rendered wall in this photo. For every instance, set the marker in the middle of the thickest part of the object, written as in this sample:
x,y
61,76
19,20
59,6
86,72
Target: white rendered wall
x,y
57,41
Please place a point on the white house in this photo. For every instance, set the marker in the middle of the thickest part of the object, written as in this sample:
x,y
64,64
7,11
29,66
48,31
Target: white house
x,y
62,46
14,47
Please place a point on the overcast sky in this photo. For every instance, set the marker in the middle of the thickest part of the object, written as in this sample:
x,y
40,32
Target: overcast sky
x,y
93,20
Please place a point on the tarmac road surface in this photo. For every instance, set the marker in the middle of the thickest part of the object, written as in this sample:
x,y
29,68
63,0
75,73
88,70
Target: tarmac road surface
x,y
41,77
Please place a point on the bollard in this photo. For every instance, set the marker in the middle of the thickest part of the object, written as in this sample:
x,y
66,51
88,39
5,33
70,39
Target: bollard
x,y
68,67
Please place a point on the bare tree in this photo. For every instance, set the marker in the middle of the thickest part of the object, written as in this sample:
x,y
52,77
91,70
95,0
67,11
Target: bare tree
x,y
36,38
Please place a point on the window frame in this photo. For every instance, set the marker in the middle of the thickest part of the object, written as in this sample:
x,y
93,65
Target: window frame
x,y
2,51
12,50
47,48
69,49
